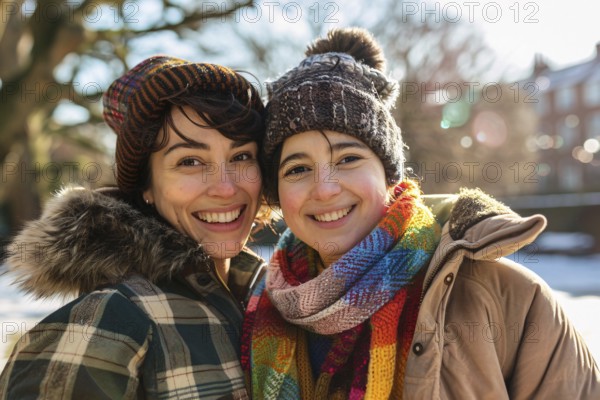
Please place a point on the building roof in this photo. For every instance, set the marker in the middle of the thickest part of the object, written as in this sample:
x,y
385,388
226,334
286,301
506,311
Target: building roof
x,y
570,76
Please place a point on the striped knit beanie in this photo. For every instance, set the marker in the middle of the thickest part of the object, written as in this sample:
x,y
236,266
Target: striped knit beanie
x,y
139,98
341,87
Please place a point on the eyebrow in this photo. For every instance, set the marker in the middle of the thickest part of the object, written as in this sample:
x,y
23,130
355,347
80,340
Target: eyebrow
x,y
334,147
292,157
348,145
186,145
203,146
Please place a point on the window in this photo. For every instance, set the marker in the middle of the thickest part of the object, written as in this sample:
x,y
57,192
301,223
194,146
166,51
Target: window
x,y
570,176
541,106
565,98
569,134
593,125
591,92
593,173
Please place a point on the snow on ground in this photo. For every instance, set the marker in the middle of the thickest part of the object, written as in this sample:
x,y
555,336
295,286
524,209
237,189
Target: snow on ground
x,y
575,280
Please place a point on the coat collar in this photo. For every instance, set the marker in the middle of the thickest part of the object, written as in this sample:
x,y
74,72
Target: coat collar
x,y
477,220
479,227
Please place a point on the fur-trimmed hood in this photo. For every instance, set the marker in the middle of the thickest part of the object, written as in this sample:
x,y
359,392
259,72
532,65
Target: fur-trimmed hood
x,y
85,239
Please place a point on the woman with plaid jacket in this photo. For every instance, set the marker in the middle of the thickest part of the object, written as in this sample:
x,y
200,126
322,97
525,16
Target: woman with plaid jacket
x,y
159,263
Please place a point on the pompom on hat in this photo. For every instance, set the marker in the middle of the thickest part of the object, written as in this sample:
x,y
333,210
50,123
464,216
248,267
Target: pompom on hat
x,y
341,87
139,98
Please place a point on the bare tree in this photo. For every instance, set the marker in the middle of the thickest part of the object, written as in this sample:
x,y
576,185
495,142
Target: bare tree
x,y
57,54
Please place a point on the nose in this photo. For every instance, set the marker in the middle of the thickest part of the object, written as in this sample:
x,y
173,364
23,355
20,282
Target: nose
x,y
326,185
222,185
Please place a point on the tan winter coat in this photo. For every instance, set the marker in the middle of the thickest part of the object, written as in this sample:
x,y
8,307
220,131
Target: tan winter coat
x,y
488,328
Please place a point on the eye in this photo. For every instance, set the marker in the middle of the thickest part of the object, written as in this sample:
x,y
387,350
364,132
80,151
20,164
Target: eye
x,y
349,159
243,157
300,169
189,162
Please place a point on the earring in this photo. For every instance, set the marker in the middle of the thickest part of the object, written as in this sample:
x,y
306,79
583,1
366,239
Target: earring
x,y
147,201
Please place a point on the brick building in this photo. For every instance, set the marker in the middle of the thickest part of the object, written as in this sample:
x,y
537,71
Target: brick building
x,y
568,137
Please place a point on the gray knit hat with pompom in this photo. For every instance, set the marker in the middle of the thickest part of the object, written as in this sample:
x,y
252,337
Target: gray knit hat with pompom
x,y
341,87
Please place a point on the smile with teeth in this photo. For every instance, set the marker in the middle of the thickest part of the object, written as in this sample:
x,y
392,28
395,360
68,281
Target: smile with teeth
x,y
219,217
332,216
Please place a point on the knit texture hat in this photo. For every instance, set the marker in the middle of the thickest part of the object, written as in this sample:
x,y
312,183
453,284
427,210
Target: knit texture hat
x,y
341,87
139,98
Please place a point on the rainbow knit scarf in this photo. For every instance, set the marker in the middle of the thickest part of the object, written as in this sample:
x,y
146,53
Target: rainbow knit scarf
x,y
346,332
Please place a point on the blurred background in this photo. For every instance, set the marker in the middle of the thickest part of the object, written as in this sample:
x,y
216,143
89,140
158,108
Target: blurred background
x,y
501,95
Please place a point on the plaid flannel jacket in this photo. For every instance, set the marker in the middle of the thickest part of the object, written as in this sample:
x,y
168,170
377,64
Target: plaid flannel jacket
x,y
177,339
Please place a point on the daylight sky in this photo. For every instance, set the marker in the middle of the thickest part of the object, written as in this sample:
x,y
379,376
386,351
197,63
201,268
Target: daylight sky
x,y
564,32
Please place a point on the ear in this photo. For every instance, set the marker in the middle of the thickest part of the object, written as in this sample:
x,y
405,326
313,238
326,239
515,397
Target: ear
x,y
148,195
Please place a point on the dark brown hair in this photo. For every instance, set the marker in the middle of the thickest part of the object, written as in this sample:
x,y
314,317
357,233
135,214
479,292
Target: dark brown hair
x,y
223,112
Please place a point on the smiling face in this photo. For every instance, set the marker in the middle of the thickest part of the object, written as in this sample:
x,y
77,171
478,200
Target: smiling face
x,y
332,191
208,190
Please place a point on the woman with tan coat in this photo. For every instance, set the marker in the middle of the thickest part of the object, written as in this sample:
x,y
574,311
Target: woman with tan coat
x,y
377,291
